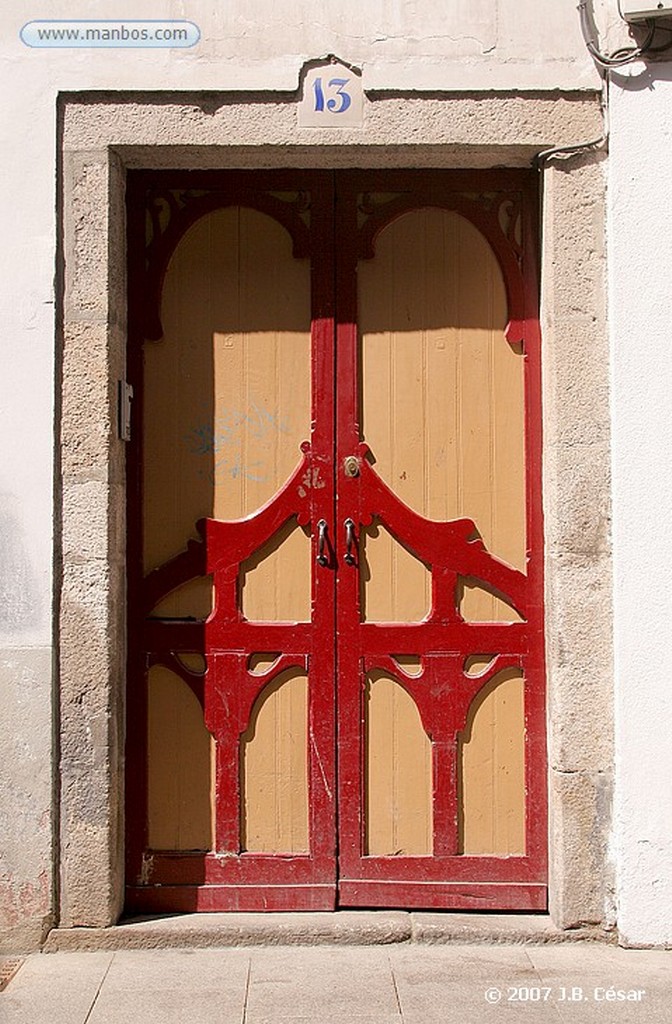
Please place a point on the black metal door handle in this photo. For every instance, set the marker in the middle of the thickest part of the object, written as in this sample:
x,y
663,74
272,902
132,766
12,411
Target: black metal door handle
x,y
350,541
322,556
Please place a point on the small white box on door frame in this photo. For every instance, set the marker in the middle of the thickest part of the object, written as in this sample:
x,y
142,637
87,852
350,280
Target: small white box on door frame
x,y
641,10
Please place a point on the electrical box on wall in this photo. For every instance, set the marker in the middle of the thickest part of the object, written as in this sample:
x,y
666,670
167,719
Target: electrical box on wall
x,y
642,10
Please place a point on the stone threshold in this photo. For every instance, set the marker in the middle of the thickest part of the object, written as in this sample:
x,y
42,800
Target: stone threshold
x,y
341,928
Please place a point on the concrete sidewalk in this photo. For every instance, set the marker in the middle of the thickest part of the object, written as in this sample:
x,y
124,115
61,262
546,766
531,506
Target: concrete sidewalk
x,y
393,983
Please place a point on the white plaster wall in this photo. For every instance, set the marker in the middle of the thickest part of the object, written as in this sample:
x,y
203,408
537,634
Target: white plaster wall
x,y
640,281
260,44
513,45
245,44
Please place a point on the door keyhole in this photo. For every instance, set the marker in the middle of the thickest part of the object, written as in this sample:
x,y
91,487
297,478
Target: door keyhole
x,y
351,465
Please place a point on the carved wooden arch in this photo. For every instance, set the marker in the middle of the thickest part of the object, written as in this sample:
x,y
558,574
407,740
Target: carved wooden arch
x,y
486,213
427,688
454,545
186,206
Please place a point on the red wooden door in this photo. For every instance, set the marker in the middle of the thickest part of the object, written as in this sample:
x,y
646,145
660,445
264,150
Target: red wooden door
x,y
457,651
338,498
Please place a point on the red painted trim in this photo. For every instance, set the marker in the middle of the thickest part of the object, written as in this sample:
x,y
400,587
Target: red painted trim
x,y
136,692
183,206
443,895
337,671
507,255
228,689
434,868
192,868
186,867
184,899
443,692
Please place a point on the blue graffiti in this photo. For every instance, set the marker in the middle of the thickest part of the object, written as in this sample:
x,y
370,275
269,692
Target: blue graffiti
x,y
221,439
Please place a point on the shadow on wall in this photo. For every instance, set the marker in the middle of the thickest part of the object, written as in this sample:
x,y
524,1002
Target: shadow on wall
x,y
20,600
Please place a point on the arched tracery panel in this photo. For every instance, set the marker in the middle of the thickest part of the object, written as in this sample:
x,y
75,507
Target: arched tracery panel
x,y
224,308
337,512
441,345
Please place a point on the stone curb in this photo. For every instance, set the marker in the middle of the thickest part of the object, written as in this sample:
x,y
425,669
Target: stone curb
x,y
344,928
500,929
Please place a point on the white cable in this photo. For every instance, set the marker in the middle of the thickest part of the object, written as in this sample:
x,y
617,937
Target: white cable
x,y
578,147
619,57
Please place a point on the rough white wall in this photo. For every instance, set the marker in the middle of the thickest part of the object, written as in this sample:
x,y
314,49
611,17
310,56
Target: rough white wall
x,y
260,44
245,44
639,253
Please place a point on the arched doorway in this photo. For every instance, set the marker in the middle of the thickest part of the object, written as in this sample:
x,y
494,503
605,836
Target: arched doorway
x,y
336,686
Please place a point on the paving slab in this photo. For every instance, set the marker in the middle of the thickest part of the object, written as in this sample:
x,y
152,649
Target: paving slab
x,y
54,990
447,926
607,983
206,970
441,985
328,986
173,987
398,983
328,1016
172,1006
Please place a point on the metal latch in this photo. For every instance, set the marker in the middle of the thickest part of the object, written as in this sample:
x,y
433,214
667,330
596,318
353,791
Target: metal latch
x,y
125,399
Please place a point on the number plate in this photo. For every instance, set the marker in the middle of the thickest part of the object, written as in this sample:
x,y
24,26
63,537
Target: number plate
x,y
332,97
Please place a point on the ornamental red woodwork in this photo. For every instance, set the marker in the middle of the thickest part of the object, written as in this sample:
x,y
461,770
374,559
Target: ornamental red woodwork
x,y
334,220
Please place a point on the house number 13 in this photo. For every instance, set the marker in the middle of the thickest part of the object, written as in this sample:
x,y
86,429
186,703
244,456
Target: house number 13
x,y
336,104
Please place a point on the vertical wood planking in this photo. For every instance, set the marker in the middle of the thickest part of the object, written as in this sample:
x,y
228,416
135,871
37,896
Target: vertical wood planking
x,y
398,788
443,412
179,755
443,405
268,363
178,416
261,366
227,400
393,582
390,324
275,770
443,398
275,582
492,770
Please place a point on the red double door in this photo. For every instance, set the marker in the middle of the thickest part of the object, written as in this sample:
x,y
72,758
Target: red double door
x,y
377,739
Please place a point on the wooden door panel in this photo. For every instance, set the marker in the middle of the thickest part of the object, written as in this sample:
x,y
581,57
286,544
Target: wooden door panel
x,y
491,769
436,326
395,586
229,311
398,806
477,603
274,753
274,582
179,759
442,389
341,422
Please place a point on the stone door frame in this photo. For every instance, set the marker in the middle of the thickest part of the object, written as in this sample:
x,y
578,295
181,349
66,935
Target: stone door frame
x,y
103,135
